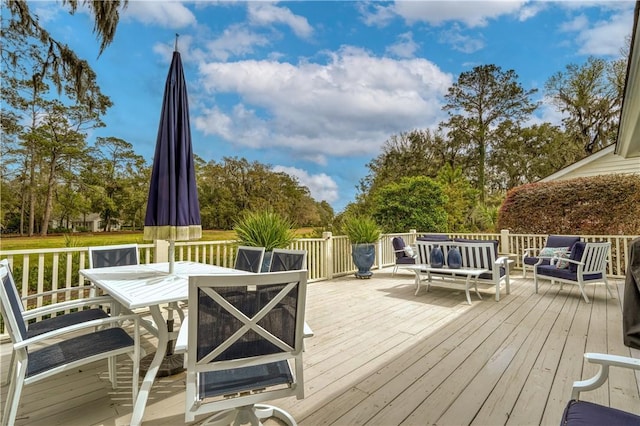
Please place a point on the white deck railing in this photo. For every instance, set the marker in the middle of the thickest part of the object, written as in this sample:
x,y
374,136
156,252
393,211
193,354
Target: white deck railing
x,y
328,257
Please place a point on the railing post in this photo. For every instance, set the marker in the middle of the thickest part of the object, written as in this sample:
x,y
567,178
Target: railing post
x,y
161,251
328,254
504,241
379,254
413,233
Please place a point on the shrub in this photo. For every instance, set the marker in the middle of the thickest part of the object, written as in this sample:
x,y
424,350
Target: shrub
x,y
264,229
599,205
361,229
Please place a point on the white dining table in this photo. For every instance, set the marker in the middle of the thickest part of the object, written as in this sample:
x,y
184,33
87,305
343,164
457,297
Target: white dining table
x,y
150,286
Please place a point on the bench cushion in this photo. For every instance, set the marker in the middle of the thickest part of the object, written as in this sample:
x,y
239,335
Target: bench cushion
x,y
433,237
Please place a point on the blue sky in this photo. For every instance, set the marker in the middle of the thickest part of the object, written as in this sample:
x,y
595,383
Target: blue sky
x,y
315,88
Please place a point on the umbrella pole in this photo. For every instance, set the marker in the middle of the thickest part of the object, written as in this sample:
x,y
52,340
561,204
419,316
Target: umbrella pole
x,y
172,255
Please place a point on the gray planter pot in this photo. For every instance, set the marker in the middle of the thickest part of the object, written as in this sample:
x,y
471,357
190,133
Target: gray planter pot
x,y
363,256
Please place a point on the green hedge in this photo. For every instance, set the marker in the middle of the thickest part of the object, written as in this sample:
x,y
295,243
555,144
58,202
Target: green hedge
x,y
598,205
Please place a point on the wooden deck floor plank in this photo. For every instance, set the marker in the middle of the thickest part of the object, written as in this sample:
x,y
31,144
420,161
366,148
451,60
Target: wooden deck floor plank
x,y
530,405
383,375
500,400
412,387
471,383
570,365
404,357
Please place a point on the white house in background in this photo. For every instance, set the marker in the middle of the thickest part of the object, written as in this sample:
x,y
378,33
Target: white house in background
x,y
623,156
603,162
91,222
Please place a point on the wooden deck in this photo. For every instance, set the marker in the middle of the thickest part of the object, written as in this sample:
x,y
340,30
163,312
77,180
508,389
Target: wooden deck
x,y
382,356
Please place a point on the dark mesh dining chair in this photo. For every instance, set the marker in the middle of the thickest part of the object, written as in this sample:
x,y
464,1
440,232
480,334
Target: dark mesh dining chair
x,y
35,358
245,345
114,255
288,260
249,259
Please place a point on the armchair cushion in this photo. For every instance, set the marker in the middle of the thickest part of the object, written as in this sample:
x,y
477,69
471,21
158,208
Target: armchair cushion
x,y
398,247
553,241
576,254
567,274
585,413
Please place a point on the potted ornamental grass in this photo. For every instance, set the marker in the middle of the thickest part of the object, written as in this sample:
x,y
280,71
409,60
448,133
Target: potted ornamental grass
x,y
364,233
267,229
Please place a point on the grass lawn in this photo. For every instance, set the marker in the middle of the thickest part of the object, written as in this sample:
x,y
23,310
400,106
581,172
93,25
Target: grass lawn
x,y
92,239
103,239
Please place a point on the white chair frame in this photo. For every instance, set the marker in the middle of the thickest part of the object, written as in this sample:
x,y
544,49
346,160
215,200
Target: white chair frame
x,y
594,260
20,349
247,404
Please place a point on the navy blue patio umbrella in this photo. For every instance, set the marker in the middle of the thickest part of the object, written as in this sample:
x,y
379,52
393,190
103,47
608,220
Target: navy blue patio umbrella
x,y
173,211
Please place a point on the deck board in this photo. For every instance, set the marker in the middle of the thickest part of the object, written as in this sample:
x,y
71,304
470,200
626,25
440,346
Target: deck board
x,y
384,356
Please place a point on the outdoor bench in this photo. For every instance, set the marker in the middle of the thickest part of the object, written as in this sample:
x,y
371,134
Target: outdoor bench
x,y
479,261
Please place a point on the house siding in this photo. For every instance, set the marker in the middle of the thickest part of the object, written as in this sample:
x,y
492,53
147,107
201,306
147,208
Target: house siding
x,y
604,162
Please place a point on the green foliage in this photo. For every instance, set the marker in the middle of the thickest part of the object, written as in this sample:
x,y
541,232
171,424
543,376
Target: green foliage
x,y
460,197
264,228
590,97
413,202
481,103
603,205
361,229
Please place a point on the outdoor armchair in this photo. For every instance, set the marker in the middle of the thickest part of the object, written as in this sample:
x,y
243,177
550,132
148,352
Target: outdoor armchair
x,y
46,318
587,264
404,253
553,245
583,413
43,355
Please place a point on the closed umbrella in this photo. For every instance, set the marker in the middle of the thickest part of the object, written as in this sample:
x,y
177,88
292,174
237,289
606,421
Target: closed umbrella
x,y
173,211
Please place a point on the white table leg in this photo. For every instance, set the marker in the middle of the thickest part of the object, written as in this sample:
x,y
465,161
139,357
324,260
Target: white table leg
x,y
149,378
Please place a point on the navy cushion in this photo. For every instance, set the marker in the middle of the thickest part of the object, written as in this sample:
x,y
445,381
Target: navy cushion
x,y
434,237
406,260
489,275
561,241
398,247
576,254
567,274
533,260
585,413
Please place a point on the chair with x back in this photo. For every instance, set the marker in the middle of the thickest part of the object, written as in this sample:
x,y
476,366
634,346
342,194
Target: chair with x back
x,y
245,345
114,255
288,260
40,356
249,259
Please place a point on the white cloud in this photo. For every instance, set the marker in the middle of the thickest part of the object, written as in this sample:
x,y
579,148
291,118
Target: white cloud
x,y
605,37
166,14
267,14
405,47
346,107
459,41
472,13
236,40
321,186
